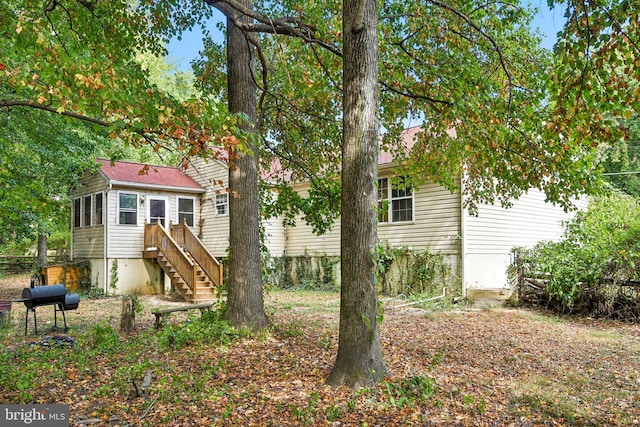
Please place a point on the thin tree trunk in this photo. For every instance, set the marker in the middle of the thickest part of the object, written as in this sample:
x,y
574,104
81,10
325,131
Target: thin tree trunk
x,y
245,303
42,250
359,361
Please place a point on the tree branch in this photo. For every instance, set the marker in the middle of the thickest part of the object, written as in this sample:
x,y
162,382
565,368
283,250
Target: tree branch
x,y
477,28
432,101
287,26
30,104
146,136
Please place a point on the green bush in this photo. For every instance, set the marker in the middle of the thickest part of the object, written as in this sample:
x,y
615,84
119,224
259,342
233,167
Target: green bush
x,y
599,252
210,327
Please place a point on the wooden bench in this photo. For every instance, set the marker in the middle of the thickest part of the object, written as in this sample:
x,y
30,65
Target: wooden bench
x,y
161,313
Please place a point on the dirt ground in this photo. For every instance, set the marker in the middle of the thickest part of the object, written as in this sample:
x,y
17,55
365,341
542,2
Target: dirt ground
x,y
489,367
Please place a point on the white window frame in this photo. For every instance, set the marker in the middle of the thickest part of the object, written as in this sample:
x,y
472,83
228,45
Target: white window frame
x,y
167,208
389,201
118,207
225,203
193,212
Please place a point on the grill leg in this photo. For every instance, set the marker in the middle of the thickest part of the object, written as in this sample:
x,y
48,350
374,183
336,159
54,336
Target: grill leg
x,y
35,321
56,308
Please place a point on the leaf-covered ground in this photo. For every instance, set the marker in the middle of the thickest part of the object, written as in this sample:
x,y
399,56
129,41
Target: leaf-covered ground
x,y
491,367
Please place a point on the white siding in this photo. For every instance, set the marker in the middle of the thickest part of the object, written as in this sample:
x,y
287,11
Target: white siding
x,y
88,241
213,228
436,222
124,240
127,240
490,237
436,225
300,240
275,238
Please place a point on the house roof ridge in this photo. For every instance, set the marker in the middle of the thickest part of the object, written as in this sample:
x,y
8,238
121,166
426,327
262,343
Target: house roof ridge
x,y
132,162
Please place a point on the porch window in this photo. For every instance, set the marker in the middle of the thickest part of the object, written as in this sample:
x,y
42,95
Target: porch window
x,y
127,208
87,210
186,209
98,218
77,202
222,203
395,200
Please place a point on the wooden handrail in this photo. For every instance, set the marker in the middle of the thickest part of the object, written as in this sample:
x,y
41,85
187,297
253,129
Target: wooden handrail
x,y
155,236
183,235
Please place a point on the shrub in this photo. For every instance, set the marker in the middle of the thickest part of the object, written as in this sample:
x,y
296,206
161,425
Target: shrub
x,y
210,327
598,255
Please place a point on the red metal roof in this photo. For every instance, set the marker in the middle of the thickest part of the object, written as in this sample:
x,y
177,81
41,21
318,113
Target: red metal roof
x,y
147,175
408,138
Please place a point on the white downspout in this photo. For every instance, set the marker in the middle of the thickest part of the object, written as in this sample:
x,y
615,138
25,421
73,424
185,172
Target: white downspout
x,y
463,241
105,257
73,232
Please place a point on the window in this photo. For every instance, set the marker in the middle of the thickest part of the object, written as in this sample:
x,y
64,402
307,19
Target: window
x,y
157,210
395,200
76,212
127,208
222,203
98,218
87,211
186,211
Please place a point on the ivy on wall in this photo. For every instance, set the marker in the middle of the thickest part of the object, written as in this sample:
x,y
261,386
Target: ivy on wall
x,y
302,272
400,270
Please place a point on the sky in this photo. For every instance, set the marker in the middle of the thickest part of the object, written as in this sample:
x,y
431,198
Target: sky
x,y
549,22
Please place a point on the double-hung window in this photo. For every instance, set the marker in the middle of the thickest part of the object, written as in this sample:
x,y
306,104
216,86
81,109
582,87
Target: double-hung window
x,y
222,203
77,215
97,212
395,200
127,208
186,208
88,211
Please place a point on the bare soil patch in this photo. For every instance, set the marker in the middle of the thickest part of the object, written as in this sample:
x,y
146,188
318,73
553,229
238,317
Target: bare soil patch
x,y
494,367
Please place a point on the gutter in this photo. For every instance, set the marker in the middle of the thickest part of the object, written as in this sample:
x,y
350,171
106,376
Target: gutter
x,y
156,187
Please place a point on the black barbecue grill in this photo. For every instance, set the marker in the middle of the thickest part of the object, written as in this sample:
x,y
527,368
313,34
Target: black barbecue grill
x,y
55,295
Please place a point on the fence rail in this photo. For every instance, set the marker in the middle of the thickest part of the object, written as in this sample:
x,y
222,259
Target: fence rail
x,y
22,264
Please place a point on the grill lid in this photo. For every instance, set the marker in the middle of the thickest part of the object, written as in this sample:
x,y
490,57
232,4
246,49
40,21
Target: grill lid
x,y
45,294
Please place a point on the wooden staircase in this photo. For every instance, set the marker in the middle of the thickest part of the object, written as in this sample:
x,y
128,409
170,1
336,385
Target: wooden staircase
x,y
193,271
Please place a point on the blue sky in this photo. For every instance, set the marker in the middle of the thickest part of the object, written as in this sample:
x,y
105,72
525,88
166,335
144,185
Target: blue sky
x,y
549,22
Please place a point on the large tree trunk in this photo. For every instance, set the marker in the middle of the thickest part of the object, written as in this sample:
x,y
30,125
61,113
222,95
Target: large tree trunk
x,y
42,250
245,304
359,361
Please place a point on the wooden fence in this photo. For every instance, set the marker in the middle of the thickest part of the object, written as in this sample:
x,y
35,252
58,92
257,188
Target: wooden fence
x,y
19,264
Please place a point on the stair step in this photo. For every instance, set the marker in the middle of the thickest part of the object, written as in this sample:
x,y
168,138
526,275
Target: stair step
x,y
205,287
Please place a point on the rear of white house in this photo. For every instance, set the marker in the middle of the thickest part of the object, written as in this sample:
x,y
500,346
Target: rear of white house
x,y
109,212
111,208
